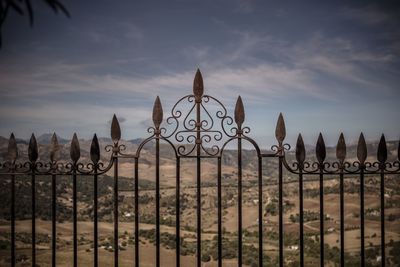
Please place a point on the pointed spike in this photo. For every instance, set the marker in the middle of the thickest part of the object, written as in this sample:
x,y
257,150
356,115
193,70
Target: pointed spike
x,y
75,151
341,148
280,131
320,149
239,112
33,152
12,148
382,150
198,86
54,148
95,150
300,150
115,130
157,113
361,149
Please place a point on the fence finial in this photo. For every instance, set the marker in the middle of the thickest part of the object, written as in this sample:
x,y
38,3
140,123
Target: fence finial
x,y
280,130
54,148
95,150
361,149
33,152
300,150
12,148
239,112
157,113
75,151
198,86
382,150
320,149
115,130
341,149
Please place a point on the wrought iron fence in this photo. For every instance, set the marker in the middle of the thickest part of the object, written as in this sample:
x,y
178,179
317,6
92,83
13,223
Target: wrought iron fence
x,y
199,137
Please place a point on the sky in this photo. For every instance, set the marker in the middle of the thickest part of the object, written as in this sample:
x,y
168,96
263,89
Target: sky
x,y
328,66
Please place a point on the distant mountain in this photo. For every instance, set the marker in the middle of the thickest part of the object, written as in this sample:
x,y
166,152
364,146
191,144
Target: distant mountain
x,y
3,140
45,139
136,141
229,158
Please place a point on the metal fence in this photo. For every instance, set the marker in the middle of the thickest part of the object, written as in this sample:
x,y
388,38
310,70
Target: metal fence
x,y
196,136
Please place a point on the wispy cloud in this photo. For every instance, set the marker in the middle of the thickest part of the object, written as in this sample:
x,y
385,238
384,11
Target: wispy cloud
x,y
245,6
120,63
369,15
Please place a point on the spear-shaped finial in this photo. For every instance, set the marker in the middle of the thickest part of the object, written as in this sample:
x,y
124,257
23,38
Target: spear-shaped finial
x,y
75,151
341,149
382,150
300,150
157,113
280,130
33,152
54,148
320,149
95,150
361,149
115,130
12,148
198,86
239,112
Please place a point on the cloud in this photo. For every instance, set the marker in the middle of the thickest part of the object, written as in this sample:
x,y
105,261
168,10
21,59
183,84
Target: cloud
x,y
245,6
120,120
368,15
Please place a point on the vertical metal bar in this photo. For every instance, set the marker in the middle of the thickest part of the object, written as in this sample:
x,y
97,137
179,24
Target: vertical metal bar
x,y
116,248
157,202
362,228
219,196
136,212
321,215
95,219
33,226
280,211
341,189
383,217
260,213
74,211
240,235
178,212
198,182
301,221
53,220
12,220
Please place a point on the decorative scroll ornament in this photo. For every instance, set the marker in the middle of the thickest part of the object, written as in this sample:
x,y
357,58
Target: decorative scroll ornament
x,y
75,151
33,152
195,127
